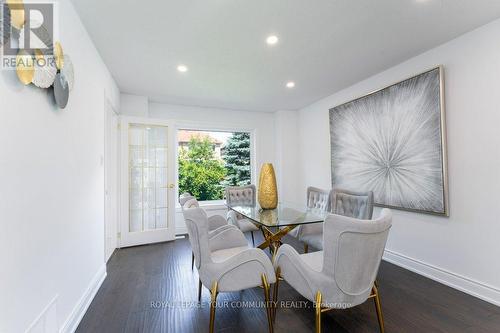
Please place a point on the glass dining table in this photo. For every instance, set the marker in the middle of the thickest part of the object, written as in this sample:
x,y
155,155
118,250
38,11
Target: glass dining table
x,y
276,223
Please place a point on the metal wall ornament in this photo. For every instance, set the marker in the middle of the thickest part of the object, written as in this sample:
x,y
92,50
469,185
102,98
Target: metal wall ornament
x,y
45,70
49,66
61,91
68,72
59,55
25,67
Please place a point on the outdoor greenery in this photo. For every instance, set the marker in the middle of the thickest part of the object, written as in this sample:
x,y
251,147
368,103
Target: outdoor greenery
x,y
205,176
237,157
200,173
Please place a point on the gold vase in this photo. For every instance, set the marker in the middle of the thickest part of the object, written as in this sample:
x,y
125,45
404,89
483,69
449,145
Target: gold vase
x,y
268,192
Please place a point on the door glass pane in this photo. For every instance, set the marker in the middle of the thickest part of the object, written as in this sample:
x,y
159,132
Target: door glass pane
x,y
135,178
161,198
161,177
135,199
149,219
149,198
161,157
148,177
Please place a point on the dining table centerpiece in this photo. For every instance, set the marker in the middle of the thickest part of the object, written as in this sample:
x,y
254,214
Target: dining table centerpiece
x,y
268,191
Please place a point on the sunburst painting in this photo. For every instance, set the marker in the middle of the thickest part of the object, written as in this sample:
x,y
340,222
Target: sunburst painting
x,y
392,142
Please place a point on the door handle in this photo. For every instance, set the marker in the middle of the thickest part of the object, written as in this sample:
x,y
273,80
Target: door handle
x,y
171,186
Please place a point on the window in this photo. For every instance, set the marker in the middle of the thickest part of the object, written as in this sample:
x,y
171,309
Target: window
x,y
211,160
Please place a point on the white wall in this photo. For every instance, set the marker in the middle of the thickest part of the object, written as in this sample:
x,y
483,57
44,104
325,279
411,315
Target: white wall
x,y
134,105
51,197
462,250
261,123
287,156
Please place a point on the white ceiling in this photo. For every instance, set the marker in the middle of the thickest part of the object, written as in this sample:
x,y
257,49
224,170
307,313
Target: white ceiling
x,y
324,46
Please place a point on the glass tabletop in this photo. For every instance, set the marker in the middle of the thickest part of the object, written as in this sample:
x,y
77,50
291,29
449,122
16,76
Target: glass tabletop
x,y
285,214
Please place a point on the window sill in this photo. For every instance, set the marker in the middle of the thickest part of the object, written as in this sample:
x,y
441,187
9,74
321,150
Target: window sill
x,y
208,205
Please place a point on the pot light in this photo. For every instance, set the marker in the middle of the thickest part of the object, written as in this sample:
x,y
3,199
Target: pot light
x,y
271,40
290,84
182,68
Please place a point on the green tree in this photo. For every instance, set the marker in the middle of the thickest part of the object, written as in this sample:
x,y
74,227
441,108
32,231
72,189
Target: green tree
x,y
200,173
236,154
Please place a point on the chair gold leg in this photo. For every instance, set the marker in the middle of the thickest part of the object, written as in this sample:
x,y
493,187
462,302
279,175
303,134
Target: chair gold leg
x,y
199,290
268,302
213,303
275,293
306,248
253,239
318,312
192,260
378,307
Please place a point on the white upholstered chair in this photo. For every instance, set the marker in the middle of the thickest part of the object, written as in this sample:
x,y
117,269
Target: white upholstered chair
x,y
225,263
342,202
312,233
241,196
215,222
343,274
185,197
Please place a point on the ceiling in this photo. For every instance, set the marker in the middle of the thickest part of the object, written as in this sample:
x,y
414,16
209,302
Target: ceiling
x,y
324,45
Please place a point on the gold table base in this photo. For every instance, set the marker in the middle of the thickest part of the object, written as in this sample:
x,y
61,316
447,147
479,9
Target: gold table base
x,y
272,240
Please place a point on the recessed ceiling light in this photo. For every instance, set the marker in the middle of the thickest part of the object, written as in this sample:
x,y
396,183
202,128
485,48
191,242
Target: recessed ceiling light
x,y
271,40
290,84
182,68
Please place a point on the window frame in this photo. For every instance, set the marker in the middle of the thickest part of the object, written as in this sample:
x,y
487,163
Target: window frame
x,y
189,126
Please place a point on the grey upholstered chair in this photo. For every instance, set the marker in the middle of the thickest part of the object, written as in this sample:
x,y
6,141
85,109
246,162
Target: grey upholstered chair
x,y
316,199
241,196
212,232
353,204
225,263
185,197
342,202
214,222
343,274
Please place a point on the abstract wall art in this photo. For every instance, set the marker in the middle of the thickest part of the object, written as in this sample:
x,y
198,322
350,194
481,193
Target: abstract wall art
x,y
393,142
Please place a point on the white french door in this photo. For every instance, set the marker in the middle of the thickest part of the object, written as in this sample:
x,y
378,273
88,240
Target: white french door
x,y
148,188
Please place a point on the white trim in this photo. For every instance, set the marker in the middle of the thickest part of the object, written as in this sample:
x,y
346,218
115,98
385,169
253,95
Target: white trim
x,y
72,322
469,286
43,313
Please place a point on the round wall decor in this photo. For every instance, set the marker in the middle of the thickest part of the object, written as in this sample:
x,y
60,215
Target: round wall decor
x,y
25,67
59,55
61,91
45,70
68,72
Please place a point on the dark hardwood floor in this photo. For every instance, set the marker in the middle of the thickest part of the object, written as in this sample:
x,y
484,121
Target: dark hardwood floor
x,y
152,289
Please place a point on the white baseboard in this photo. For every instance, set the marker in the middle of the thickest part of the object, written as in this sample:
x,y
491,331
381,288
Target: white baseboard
x,y
469,286
72,322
